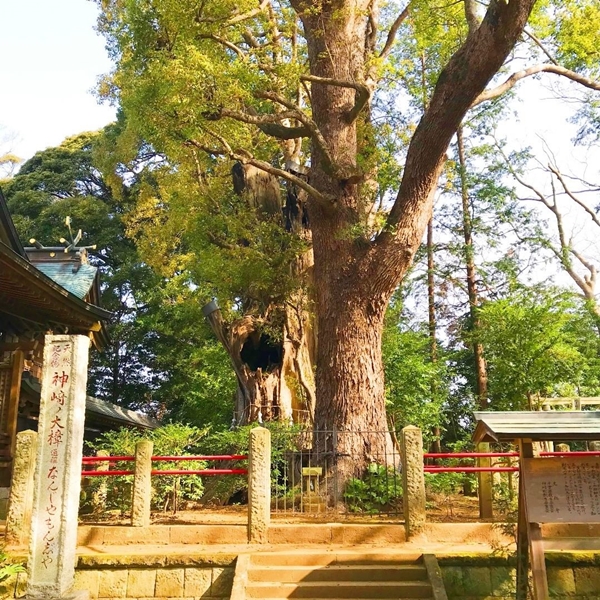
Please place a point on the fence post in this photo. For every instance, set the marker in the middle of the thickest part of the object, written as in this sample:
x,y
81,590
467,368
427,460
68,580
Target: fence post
x,y
142,484
259,485
100,495
413,480
485,484
20,505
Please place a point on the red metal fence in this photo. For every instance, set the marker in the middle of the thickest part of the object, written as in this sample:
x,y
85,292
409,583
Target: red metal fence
x,y
91,460
490,469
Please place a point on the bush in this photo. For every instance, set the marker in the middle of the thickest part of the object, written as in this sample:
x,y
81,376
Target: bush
x,y
169,440
380,489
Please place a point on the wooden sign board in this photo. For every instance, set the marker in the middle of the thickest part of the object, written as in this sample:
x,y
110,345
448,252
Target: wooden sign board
x,y
562,489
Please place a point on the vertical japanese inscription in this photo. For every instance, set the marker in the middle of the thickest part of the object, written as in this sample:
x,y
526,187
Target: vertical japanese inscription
x,y
52,548
563,490
51,487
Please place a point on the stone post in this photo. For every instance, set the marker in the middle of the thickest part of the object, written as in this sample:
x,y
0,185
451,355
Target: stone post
x,y
563,448
142,484
413,480
20,507
259,485
57,482
99,496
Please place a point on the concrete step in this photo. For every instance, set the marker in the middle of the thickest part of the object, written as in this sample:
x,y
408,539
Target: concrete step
x,y
338,572
308,558
337,589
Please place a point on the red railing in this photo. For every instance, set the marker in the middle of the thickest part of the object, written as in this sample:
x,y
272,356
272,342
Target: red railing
x,y
205,472
491,469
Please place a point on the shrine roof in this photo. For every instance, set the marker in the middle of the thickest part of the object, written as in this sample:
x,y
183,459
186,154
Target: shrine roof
x,y
538,426
118,413
78,280
27,293
99,410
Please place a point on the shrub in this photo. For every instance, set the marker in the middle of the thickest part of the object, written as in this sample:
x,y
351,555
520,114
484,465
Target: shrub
x,y
380,489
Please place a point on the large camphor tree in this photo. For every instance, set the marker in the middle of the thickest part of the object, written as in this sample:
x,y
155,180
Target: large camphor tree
x,y
302,91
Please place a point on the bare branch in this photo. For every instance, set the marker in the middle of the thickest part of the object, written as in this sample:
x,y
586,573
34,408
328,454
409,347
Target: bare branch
x,y
315,133
573,197
543,68
257,119
225,43
389,42
541,46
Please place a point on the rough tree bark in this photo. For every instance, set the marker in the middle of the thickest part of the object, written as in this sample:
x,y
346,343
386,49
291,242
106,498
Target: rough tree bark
x,y
355,276
275,376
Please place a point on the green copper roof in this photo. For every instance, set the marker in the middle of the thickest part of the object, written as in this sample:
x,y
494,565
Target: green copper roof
x,y
78,283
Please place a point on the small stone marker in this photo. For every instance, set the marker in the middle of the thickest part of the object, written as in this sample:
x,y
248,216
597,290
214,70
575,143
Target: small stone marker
x,y
413,480
259,485
51,564
142,484
20,505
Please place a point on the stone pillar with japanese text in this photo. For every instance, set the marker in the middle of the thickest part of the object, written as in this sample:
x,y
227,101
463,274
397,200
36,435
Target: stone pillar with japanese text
x,y
52,546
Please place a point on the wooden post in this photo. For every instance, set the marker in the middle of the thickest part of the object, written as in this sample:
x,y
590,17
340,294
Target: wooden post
x,y
485,484
529,539
525,450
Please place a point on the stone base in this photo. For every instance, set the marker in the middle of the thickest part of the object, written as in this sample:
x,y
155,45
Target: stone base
x,y
314,507
77,595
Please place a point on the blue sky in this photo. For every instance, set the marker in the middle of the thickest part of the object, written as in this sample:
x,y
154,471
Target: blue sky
x,y
51,60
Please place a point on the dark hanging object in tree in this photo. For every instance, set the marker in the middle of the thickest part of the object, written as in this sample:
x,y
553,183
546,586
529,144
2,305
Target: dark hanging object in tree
x,y
294,211
260,189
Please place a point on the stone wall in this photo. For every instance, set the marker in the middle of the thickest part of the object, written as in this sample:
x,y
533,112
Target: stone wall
x,y
144,577
571,575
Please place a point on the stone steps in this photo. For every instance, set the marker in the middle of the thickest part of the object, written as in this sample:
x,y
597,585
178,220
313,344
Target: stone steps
x,y
339,589
335,576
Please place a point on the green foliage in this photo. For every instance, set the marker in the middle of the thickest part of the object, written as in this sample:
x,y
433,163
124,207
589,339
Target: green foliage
x,y
379,490
536,341
8,567
285,439
173,439
416,387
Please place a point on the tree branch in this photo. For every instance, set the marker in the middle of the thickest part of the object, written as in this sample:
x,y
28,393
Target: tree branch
x,y
471,15
225,43
573,197
391,37
362,96
248,15
544,68
245,158
315,133
541,46
462,80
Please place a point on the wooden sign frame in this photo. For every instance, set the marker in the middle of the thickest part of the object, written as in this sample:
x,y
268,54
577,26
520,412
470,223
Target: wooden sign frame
x,y
562,489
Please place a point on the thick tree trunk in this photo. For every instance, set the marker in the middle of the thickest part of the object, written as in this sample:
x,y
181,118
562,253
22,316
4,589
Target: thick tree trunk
x,y
275,378
355,274
351,426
